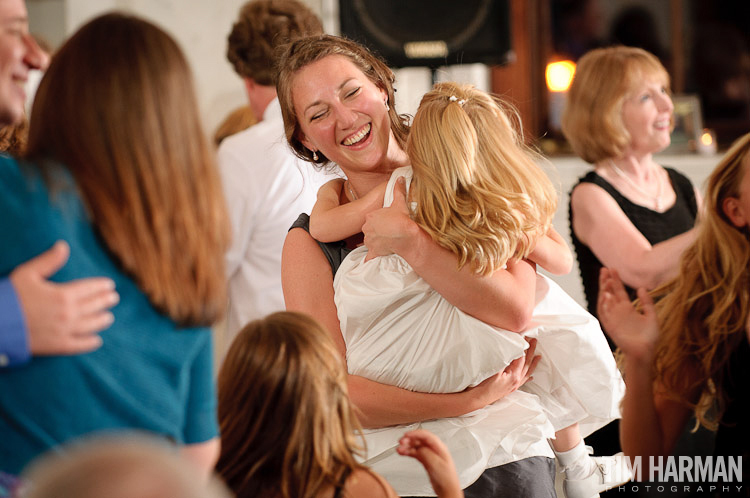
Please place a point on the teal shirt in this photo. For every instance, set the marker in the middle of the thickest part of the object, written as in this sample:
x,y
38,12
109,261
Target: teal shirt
x,y
149,374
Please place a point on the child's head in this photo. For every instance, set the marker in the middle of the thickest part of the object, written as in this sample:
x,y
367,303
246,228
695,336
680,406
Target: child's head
x,y
287,427
478,189
117,467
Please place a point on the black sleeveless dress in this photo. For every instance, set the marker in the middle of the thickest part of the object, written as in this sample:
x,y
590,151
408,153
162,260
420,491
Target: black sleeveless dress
x,y
656,227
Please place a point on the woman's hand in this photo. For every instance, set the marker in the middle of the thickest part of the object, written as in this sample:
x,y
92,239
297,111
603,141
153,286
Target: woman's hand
x,y
430,451
516,374
635,333
389,230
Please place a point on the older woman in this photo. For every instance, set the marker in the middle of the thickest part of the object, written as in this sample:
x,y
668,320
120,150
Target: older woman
x,y
337,102
629,213
118,166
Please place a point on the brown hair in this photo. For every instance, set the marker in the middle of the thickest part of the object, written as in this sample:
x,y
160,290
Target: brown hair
x,y
13,137
703,312
308,50
263,26
478,191
286,423
117,108
592,119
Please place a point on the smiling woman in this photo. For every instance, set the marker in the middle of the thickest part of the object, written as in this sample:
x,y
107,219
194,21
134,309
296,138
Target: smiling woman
x,y
619,114
338,106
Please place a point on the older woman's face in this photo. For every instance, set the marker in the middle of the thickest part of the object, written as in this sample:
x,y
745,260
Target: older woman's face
x,y
646,114
341,113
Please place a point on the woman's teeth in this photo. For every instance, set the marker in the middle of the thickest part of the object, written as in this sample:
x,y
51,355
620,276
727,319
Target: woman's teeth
x,y
358,136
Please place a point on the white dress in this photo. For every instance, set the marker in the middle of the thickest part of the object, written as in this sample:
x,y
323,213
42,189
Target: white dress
x,y
400,331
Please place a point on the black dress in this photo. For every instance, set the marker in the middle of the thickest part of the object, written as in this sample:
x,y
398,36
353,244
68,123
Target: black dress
x,y
656,227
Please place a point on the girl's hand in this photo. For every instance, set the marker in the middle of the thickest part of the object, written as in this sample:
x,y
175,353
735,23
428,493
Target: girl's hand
x,y
634,332
389,230
430,451
516,374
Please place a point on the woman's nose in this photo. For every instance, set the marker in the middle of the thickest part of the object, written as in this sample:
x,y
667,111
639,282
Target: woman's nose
x,y
346,117
665,103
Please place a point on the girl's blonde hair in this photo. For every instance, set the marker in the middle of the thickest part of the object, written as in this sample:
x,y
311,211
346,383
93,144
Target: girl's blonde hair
x,y
126,465
287,427
117,109
477,188
703,312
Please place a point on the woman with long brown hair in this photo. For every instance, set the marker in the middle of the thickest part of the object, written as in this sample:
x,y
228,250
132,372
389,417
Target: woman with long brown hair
x,y
688,353
118,165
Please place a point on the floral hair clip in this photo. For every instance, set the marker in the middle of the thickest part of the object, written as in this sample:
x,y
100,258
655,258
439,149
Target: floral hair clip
x,y
453,98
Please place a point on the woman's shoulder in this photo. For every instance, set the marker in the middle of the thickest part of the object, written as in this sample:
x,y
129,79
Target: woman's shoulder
x,y
365,483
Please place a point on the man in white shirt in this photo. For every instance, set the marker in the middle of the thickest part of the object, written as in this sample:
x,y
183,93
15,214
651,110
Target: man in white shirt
x,y
265,184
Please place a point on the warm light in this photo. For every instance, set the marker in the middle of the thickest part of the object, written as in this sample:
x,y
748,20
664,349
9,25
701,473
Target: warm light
x,y
706,138
559,75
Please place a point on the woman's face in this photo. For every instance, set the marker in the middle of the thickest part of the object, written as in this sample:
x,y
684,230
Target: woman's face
x,y
647,114
342,114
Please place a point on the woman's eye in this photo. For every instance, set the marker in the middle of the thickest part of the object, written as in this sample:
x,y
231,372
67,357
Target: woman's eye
x,y
317,115
645,97
353,92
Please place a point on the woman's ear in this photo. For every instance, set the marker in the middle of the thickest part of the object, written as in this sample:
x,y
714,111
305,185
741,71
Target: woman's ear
x,y
304,141
734,211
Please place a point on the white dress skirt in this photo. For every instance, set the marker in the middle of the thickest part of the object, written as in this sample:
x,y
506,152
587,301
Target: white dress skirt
x,y
400,331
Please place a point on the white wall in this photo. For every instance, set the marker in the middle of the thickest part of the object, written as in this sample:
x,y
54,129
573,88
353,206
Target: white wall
x,y
199,26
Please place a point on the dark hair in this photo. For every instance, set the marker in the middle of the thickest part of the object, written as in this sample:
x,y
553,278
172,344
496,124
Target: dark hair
x,y
263,26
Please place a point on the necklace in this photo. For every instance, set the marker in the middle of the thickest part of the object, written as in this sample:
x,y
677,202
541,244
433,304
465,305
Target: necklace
x,y
351,190
656,198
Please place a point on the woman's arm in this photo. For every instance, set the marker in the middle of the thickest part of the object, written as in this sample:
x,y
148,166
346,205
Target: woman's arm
x,y
307,281
504,299
331,221
599,223
651,423
552,253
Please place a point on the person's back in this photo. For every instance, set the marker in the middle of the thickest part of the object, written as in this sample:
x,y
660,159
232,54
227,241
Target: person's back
x,y
128,202
266,186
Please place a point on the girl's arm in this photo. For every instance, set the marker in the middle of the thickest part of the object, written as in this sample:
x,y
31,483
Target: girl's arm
x,y
331,221
504,299
430,451
651,423
307,282
596,216
552,253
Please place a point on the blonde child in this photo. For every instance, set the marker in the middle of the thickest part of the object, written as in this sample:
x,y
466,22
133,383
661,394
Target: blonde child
x,y
124,466
479,193
288,429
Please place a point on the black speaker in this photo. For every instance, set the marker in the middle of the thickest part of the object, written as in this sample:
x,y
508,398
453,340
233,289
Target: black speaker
x,y
430,32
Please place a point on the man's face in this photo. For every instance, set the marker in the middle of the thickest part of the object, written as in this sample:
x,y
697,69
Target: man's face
x,y
19,53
